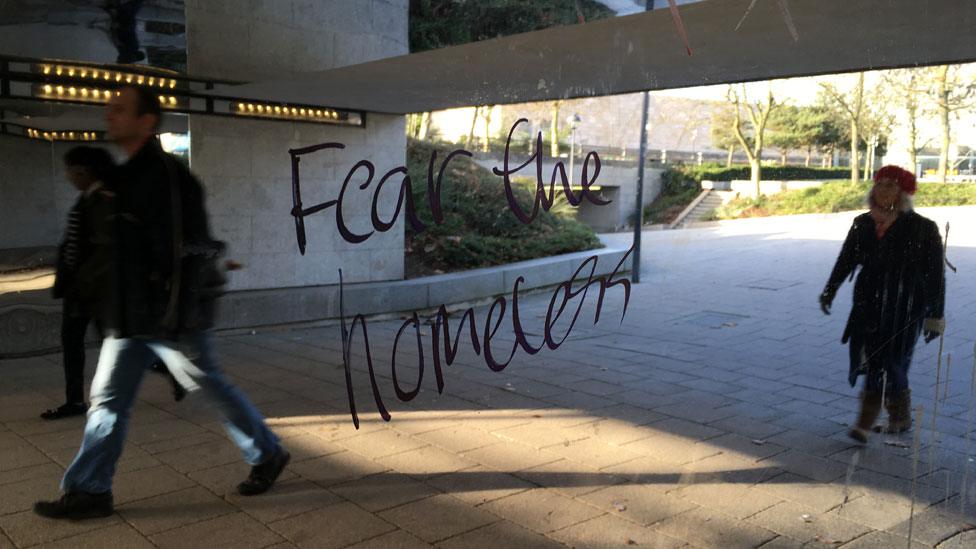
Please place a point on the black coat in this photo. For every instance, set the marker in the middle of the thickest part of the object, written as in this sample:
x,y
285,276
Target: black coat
x,y
84,263
901,283
154,194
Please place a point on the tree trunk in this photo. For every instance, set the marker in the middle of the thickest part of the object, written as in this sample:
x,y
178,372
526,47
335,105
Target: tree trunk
x,y
782,158
806,161
728,158
755,174
487,117
474,121
424,125
943,101
855,165
554,131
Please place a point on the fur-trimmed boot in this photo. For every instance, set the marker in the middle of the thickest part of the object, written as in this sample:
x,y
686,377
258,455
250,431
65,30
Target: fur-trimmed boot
x,y
899,407
870,409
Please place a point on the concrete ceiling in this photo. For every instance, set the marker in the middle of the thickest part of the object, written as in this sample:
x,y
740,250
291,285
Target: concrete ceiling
x,y
645,52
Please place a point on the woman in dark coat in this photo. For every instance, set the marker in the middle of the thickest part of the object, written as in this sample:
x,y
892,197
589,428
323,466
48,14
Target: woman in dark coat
x,y
899,293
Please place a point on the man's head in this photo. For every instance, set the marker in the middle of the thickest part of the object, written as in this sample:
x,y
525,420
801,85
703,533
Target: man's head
x,y
86,165
133,116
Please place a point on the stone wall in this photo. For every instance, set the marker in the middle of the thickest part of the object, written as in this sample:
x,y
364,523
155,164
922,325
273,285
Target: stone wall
x,y
245,165
35,196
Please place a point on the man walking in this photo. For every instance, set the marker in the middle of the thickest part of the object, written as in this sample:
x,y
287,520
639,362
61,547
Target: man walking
x,y
162,233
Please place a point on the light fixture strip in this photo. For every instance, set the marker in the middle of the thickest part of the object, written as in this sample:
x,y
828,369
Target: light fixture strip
x,y
58,135
288,112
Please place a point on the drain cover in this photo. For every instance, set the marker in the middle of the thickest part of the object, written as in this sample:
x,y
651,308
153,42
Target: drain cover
x,y
714,319
771,284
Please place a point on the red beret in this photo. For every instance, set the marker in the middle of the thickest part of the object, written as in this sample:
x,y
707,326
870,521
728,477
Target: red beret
x,y
904,178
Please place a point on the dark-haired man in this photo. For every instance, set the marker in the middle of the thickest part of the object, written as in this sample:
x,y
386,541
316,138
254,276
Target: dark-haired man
x,y
161,230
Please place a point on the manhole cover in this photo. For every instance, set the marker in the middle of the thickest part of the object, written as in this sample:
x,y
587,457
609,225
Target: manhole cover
x,y
771,284
714,319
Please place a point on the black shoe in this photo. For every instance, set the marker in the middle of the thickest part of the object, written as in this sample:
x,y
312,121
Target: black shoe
x,y
66,410
76,506
263,476
130,57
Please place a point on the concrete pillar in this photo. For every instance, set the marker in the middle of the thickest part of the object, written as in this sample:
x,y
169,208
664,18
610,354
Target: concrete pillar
x,y
244,164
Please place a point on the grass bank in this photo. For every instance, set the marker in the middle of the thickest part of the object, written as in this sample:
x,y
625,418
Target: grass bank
x,y
479,229
839,196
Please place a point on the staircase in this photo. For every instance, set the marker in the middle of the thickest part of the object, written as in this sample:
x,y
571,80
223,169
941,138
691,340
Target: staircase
x,y
704,203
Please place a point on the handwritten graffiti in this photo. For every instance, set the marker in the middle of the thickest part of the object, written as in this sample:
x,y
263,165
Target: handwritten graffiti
x,y
444,346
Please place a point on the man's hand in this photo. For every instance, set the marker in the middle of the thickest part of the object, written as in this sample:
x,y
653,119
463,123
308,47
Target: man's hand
x,y
929,336
825,300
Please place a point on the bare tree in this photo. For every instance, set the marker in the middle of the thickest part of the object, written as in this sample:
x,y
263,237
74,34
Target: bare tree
x,y
474,121
751,139
486,116
950,93
905,88
852,103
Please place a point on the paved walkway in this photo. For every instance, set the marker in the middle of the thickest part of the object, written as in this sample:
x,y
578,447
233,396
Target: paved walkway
x,y
714,416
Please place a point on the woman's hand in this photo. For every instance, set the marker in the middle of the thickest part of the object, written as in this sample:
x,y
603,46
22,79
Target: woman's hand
x,y
825,301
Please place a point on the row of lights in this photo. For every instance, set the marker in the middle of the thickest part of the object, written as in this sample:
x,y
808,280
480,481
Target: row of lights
x,y
94,94
78,93
108,76
284,111
62,135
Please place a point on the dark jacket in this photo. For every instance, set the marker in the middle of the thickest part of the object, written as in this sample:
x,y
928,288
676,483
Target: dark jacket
x,y
84,263
901,283
160,221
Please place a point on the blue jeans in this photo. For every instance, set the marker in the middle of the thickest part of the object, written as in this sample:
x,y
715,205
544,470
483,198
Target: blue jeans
x,y
121,365
893,370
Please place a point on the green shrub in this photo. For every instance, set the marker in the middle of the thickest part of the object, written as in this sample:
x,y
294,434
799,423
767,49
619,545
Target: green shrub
x,y
479,229
839,196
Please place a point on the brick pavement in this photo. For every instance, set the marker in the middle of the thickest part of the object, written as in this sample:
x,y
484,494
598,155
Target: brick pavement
x,y
714,416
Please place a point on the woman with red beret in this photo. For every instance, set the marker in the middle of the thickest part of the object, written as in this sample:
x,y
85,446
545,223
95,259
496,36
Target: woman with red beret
x,y
899,293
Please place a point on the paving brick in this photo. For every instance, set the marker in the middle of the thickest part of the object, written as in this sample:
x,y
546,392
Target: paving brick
x,y
500,534
20,496
336,468
146,483
730,499
479,484
594,452
541,510
381,443
287,498
425,518
336,525
882,540
235,530
570,478
805,524
933,525
510,457
426,461
876,512
26,528
168,511
708,529
613,531
960,540
383,491
807,465
817,495
639,504
394,540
